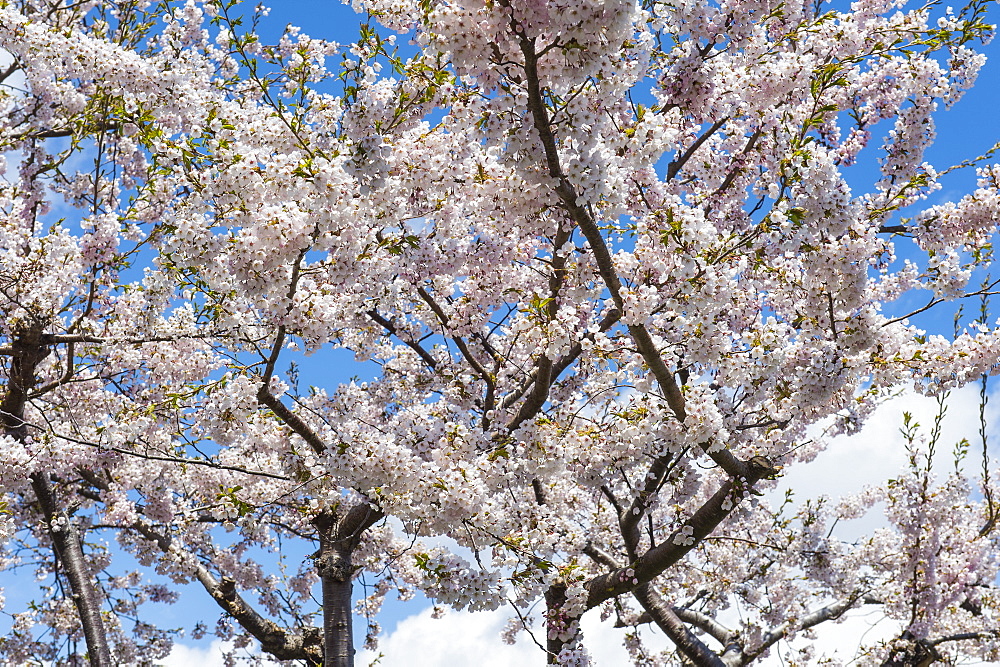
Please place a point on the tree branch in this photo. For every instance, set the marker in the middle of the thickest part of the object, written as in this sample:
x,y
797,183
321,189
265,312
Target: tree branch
x,y
273,639
160,457
678,164
667,620
660,557
963,636
56,339
416,347
28,352
292,420
708,625
628,520
601,556
67,131
544,367
736,170
830,612
484,375
611,318
570,201
68,545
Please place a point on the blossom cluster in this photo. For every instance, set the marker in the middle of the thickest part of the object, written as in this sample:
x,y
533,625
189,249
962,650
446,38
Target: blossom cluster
x,y
601,327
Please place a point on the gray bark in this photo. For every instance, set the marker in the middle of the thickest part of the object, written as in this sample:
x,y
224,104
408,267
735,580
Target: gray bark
x,y
916,653
667,620
68,545
657,559
339,535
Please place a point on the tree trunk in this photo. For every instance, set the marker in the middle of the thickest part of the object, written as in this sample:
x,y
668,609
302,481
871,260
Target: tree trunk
x,y
557,623
336,572
28,351
339,535
68,545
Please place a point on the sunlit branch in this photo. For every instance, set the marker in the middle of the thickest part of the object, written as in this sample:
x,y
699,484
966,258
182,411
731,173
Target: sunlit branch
x,y
483,374
936,300
158,457
292,420
68,339
612,317
830,612
677,164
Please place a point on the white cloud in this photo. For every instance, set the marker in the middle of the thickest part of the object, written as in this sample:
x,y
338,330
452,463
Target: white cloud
x,y
465,639
209,656
458,638
185,656
869,458
877,453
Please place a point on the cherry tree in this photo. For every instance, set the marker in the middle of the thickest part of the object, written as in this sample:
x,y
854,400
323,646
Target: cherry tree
x,y
608,263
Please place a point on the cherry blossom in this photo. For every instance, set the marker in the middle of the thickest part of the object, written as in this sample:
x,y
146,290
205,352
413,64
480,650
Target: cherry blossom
x,y
609,265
